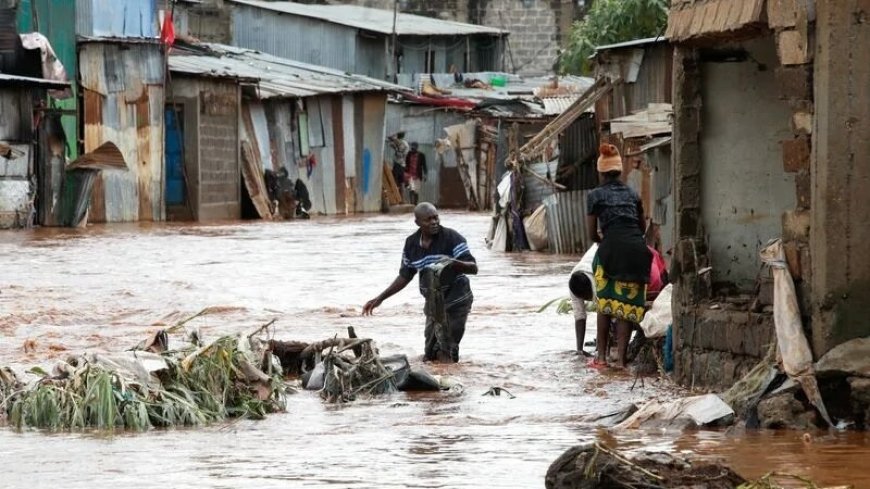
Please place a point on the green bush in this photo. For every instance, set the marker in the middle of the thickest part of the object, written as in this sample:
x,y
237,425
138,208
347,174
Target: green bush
x,y
609,22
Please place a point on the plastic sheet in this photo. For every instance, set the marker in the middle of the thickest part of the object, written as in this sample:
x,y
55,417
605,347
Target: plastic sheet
x,y
797,358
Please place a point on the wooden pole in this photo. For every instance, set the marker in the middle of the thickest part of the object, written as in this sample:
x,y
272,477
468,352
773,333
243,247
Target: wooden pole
x,y
395,42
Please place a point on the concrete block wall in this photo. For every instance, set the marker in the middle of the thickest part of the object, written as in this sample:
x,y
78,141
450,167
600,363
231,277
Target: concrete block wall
x,y
209,21
839,173
533,45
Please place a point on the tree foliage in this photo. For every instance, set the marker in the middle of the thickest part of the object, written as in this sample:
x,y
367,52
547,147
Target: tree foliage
x,y
612,21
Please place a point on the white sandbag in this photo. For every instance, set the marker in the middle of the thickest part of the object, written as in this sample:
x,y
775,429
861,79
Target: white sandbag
x,y
504,190
536,229
656,321
499,241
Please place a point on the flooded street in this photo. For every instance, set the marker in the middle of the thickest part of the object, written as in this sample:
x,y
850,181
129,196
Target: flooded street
x,y
107,288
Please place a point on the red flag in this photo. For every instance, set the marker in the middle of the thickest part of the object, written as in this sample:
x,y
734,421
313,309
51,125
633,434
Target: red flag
x,y
167,33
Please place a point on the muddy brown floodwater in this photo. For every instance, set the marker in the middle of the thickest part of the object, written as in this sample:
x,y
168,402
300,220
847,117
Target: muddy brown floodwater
x,y
107,287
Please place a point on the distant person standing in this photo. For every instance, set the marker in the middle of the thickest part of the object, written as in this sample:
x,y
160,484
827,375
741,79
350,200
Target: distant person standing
x,y
415,172
400,153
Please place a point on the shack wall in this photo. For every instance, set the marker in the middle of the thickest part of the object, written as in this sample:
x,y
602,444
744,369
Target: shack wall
x,y
280,118
321,181
294,37
643,74
424,126
116,18
373,107
52,19
345,135
16,116
744,188
122,88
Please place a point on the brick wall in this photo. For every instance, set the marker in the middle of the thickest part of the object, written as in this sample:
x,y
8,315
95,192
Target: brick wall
x,y
715,348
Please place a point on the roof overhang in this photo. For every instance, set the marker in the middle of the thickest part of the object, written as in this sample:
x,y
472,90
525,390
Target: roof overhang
x,y
15,80
715,19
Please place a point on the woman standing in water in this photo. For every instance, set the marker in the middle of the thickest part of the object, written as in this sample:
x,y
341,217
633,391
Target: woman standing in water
x,y
622,265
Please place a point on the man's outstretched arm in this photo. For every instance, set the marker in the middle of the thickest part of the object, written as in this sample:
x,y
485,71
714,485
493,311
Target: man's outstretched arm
x,y
398,284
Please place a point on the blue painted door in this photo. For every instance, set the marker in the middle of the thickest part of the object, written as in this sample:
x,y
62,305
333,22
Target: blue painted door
x,y
174,157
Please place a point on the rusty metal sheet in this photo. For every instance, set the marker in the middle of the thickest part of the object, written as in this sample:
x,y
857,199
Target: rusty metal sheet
x,y
707,18
105,157
93,109
253,177
338,144
369,174
120,107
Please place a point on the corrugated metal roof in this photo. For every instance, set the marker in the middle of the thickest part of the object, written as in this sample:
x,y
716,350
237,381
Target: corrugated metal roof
x,y
33,82
276,77
557,105
698,18
375,20
536,96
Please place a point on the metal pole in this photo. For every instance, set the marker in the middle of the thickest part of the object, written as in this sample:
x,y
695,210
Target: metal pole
x,y
395,42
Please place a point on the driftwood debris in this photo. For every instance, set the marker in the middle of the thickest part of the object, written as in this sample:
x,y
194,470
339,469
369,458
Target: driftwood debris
x,y
594,466
343,369
298,357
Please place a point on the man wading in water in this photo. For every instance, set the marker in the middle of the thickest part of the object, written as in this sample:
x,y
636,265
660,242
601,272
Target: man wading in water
x,y
442,257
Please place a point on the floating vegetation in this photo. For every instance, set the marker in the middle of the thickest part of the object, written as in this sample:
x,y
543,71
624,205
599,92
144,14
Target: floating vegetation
x,y
233,377
564,306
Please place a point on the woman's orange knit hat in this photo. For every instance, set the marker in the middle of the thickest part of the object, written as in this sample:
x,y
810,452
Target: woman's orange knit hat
x,y
609,159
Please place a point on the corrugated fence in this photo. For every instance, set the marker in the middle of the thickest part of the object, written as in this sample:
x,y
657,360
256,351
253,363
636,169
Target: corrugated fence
x,y
123,97
566,222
